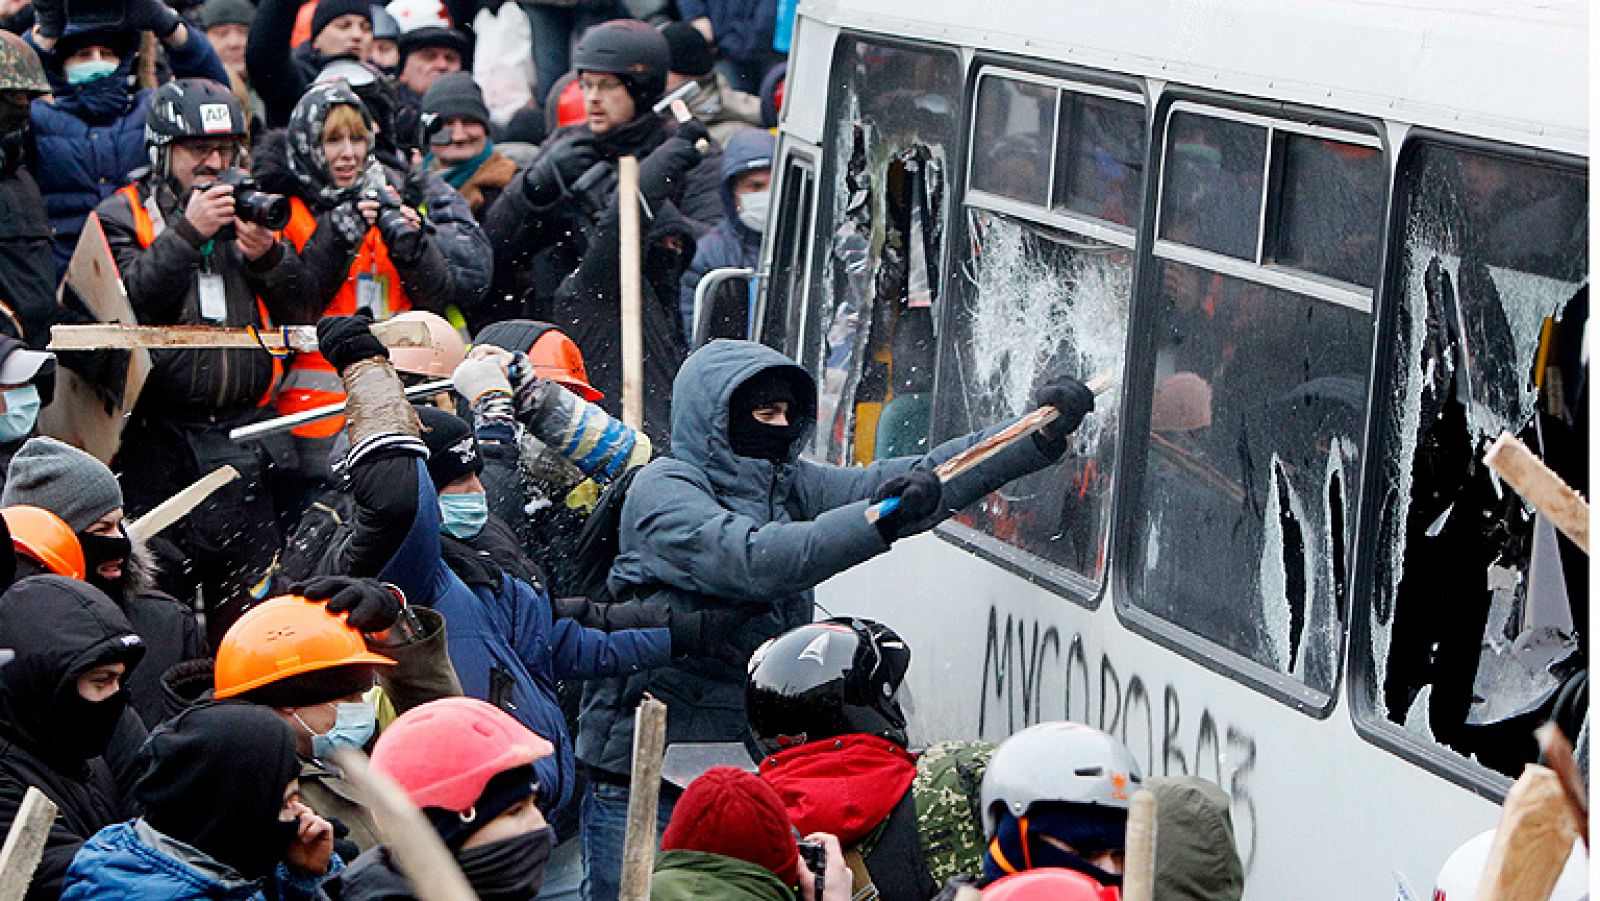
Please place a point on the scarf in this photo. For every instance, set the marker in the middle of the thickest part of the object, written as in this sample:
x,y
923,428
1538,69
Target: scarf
x,y
307,162
457,175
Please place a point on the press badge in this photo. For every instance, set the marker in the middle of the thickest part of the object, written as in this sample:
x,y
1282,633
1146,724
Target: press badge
x,y
372,295
213,298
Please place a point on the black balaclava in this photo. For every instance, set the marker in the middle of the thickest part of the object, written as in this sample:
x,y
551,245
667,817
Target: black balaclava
x,y
214,778
511,869
98,549
751,438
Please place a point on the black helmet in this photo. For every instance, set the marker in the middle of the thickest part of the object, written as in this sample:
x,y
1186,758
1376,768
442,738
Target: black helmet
x,y
631,50
193,108
836,677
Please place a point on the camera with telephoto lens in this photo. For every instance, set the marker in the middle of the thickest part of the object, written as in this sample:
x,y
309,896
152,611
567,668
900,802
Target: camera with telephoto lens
x,y
816,858
253,205
403,240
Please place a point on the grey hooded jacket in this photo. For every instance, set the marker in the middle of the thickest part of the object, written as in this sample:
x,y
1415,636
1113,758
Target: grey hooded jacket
x,y
706,527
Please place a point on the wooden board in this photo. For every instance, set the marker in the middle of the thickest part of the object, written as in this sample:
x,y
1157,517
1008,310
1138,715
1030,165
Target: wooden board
x,y
24,844
78,414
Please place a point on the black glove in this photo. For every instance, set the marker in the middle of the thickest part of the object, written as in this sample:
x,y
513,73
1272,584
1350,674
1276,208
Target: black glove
x,y
1073,399
150,15
661,173
348,339
51,17
919,492
705,633
372,607
557,168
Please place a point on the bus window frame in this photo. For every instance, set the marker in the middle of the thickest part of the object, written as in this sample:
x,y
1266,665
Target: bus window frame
x,y
1128,519
799,156
1371,726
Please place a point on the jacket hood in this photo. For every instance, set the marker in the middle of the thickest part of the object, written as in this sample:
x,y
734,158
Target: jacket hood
x,y
685,875
700,395
59,629
1196,858
748,150
103,99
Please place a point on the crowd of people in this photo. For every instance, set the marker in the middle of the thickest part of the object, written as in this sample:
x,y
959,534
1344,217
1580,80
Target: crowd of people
x,y
476,587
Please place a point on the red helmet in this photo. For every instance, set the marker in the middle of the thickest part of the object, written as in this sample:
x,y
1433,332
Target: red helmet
x,y
43,536
444,752
570,108
1049,884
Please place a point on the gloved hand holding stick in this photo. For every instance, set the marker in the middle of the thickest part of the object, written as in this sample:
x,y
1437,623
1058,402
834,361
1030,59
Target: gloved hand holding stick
x,y
1035,422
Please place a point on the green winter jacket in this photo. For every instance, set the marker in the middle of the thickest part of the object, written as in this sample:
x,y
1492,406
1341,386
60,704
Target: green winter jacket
x,y
688,875
1196,858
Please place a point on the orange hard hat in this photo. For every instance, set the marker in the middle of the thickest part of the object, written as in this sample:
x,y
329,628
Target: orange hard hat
x,y
286,636
302,24
569,106
43,536
444,352
554,356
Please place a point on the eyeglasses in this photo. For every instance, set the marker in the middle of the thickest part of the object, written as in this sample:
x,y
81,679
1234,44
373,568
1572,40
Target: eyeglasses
x,y
202,150
599,86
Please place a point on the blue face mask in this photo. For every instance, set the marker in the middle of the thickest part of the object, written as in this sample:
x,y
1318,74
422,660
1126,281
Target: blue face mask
x,y
463,515
353,726
93,70
22,411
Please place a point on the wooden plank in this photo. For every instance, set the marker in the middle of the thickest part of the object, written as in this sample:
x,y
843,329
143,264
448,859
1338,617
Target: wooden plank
x,y
1532,842
289,337
422,857
632,293
644,792
1541,487
24,845
1139,860
179,505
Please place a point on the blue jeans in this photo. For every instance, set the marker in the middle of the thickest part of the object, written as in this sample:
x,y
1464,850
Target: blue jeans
x,y
554,30
563,875
605,825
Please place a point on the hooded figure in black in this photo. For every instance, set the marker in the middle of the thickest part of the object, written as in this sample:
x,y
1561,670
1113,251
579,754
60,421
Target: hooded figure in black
x,y
221,817
51,735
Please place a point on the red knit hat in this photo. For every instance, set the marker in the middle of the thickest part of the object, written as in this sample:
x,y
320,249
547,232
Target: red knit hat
x,y
736,814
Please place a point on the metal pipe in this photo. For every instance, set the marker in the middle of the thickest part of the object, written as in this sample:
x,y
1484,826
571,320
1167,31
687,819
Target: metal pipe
x,y
270,426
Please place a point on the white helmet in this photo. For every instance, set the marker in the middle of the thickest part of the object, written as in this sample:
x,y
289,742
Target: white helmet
x,y
439,359
1463,870
1063,762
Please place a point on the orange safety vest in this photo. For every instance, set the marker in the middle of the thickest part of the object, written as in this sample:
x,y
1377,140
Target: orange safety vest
x,y
144,231
311,381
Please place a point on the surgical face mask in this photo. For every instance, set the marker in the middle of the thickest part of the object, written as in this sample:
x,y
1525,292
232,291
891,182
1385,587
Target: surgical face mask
x,y
22,411
753,209
93,70
354,725
463,515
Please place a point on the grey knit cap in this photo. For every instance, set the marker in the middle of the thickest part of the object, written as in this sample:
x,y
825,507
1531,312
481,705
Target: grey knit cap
x,y
62,479
227,12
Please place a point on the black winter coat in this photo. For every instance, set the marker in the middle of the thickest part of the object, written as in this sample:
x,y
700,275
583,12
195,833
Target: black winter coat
x,y
27,264
59,629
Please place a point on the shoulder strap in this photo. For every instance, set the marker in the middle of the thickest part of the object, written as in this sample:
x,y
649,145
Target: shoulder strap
x,y
861,886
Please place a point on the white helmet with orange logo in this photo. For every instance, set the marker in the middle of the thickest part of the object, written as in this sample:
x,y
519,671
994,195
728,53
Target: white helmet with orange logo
x,y
1057,762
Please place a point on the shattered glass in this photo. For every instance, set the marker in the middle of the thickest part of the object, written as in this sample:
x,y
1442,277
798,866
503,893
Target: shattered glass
x,y
1478,611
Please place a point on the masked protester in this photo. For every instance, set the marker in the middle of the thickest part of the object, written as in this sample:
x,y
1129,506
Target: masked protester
x,y
469,767
317,671
85,495
365,242
27,268
90,136
735,241
222,818
27,384
61,702
736,517
194,249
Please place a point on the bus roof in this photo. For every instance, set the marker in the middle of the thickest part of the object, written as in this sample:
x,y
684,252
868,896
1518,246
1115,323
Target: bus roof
x,y
1511,70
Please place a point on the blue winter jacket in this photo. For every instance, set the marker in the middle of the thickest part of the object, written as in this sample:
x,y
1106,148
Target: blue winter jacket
x,y
90,137
115,863
709,528
744,28
729,243
506,646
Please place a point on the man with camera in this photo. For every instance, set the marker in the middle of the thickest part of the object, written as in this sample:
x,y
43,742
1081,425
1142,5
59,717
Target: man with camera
x,y
192,237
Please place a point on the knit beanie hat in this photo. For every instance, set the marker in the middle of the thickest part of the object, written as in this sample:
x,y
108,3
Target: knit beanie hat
x,y
455,94
62,479
503,791
227,12
689,50
328,10
320,686
452,448
736,814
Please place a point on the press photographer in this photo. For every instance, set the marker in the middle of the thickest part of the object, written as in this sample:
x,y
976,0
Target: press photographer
x,y
192,236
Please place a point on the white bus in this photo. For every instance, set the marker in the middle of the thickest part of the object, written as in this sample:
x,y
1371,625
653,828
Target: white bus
x,y
1327,248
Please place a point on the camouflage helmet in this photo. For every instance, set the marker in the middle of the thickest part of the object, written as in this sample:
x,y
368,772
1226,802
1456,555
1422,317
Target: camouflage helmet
x,y
20,69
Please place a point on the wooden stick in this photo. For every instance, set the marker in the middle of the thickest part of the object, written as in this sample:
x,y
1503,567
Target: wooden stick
x,y
423,858
111,336
632,325
24,845
969,893
1558,756
644,792
1532,842
1541,487
179,505
1139,862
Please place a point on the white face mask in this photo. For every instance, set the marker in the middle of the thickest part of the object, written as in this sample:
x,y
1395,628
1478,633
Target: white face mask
x,y
753,209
